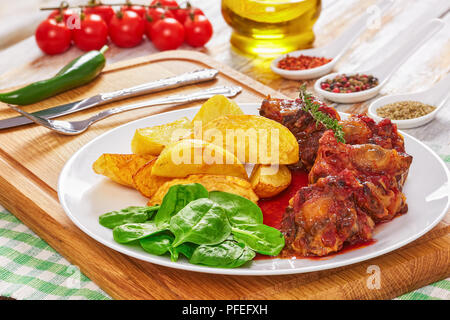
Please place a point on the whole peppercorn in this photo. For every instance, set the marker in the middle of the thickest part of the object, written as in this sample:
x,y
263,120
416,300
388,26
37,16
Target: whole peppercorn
x,y
349,83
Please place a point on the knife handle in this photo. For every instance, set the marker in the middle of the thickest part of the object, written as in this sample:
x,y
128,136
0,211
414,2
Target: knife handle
x,y
176,98
167,83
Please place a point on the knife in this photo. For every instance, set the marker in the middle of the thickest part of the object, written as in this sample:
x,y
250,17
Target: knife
x,y
103,98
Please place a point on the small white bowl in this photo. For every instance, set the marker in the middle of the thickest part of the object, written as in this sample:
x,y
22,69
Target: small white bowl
x,y
307,73
401,124
437,96
352,97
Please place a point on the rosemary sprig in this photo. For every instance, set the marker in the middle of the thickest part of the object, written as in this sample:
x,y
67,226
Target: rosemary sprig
x,y
313,108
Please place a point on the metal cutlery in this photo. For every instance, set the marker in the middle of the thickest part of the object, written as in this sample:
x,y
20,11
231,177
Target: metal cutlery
x,y
103,98
77,127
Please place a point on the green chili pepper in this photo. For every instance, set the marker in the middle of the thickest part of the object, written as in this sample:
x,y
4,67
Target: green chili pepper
x,y
77,73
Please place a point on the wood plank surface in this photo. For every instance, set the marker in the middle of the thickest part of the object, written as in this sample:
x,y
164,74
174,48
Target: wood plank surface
x,y
31,158
28,181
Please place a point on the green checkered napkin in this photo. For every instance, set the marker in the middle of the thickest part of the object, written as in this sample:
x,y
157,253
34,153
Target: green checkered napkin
x,y
31,269
436,291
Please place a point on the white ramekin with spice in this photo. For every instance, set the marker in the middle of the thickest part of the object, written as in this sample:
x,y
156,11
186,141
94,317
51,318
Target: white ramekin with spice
x,y
415,109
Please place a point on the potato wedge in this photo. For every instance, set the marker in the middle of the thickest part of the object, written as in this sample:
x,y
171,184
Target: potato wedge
x,y
269,181
152,140
120,167
211,183
216,107
252,139
147,183
191,156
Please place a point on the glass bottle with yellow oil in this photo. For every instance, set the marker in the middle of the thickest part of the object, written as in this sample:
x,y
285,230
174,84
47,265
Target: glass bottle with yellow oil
x,y
271,27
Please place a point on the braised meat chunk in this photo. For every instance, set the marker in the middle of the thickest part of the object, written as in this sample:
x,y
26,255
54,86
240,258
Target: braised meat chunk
x,y
290,114
381,171
324,216
360,129
352,185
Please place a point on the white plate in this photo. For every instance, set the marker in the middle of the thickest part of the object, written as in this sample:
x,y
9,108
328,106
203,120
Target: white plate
x,y
85,195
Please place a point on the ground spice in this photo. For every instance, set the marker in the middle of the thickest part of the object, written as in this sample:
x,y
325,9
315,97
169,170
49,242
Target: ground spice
x,y
302,62
403,110
347,84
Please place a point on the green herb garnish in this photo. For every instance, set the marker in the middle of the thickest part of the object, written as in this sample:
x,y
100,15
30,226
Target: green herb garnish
x,y
313,108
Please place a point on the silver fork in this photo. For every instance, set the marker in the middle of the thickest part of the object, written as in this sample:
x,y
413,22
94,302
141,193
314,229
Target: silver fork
x,y
77,127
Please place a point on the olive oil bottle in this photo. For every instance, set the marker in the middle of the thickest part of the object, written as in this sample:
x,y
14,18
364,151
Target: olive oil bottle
x,y
271,27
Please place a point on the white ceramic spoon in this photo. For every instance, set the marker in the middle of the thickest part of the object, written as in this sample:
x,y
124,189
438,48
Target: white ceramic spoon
x,y
437,96
335,50
384,70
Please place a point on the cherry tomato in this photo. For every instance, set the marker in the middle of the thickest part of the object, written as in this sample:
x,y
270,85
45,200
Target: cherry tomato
x,y
126,29
53,37
198,30
140,10
106,12
167,34
165,3
92,34
183,13
153,15
67,13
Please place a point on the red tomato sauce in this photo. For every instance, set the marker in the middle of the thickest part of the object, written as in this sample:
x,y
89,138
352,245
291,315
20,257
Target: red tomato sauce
x,y
274,208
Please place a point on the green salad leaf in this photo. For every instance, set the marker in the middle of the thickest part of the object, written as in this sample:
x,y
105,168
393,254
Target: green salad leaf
x,y
128,215
259,237
239,210
177,198
202,221
216,229
161,243
134,231
187,249
157,244
227,254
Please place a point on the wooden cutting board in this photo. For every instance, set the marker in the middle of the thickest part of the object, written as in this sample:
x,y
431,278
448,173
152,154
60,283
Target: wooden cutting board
x,y
31,158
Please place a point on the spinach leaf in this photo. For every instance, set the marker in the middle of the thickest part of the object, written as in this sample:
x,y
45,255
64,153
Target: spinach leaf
x,y
157,244
259,237
161,243
239,210
227,254
134,231
202,221
177,198
187,249
127,215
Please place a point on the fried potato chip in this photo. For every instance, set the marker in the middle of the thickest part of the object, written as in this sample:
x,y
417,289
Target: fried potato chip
x,y
191,156
120,167
229,184
216,107
152,140
252,139
147,183
268,181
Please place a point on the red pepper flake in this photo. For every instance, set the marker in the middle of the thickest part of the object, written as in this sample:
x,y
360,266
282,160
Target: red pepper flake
x,y
302,62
